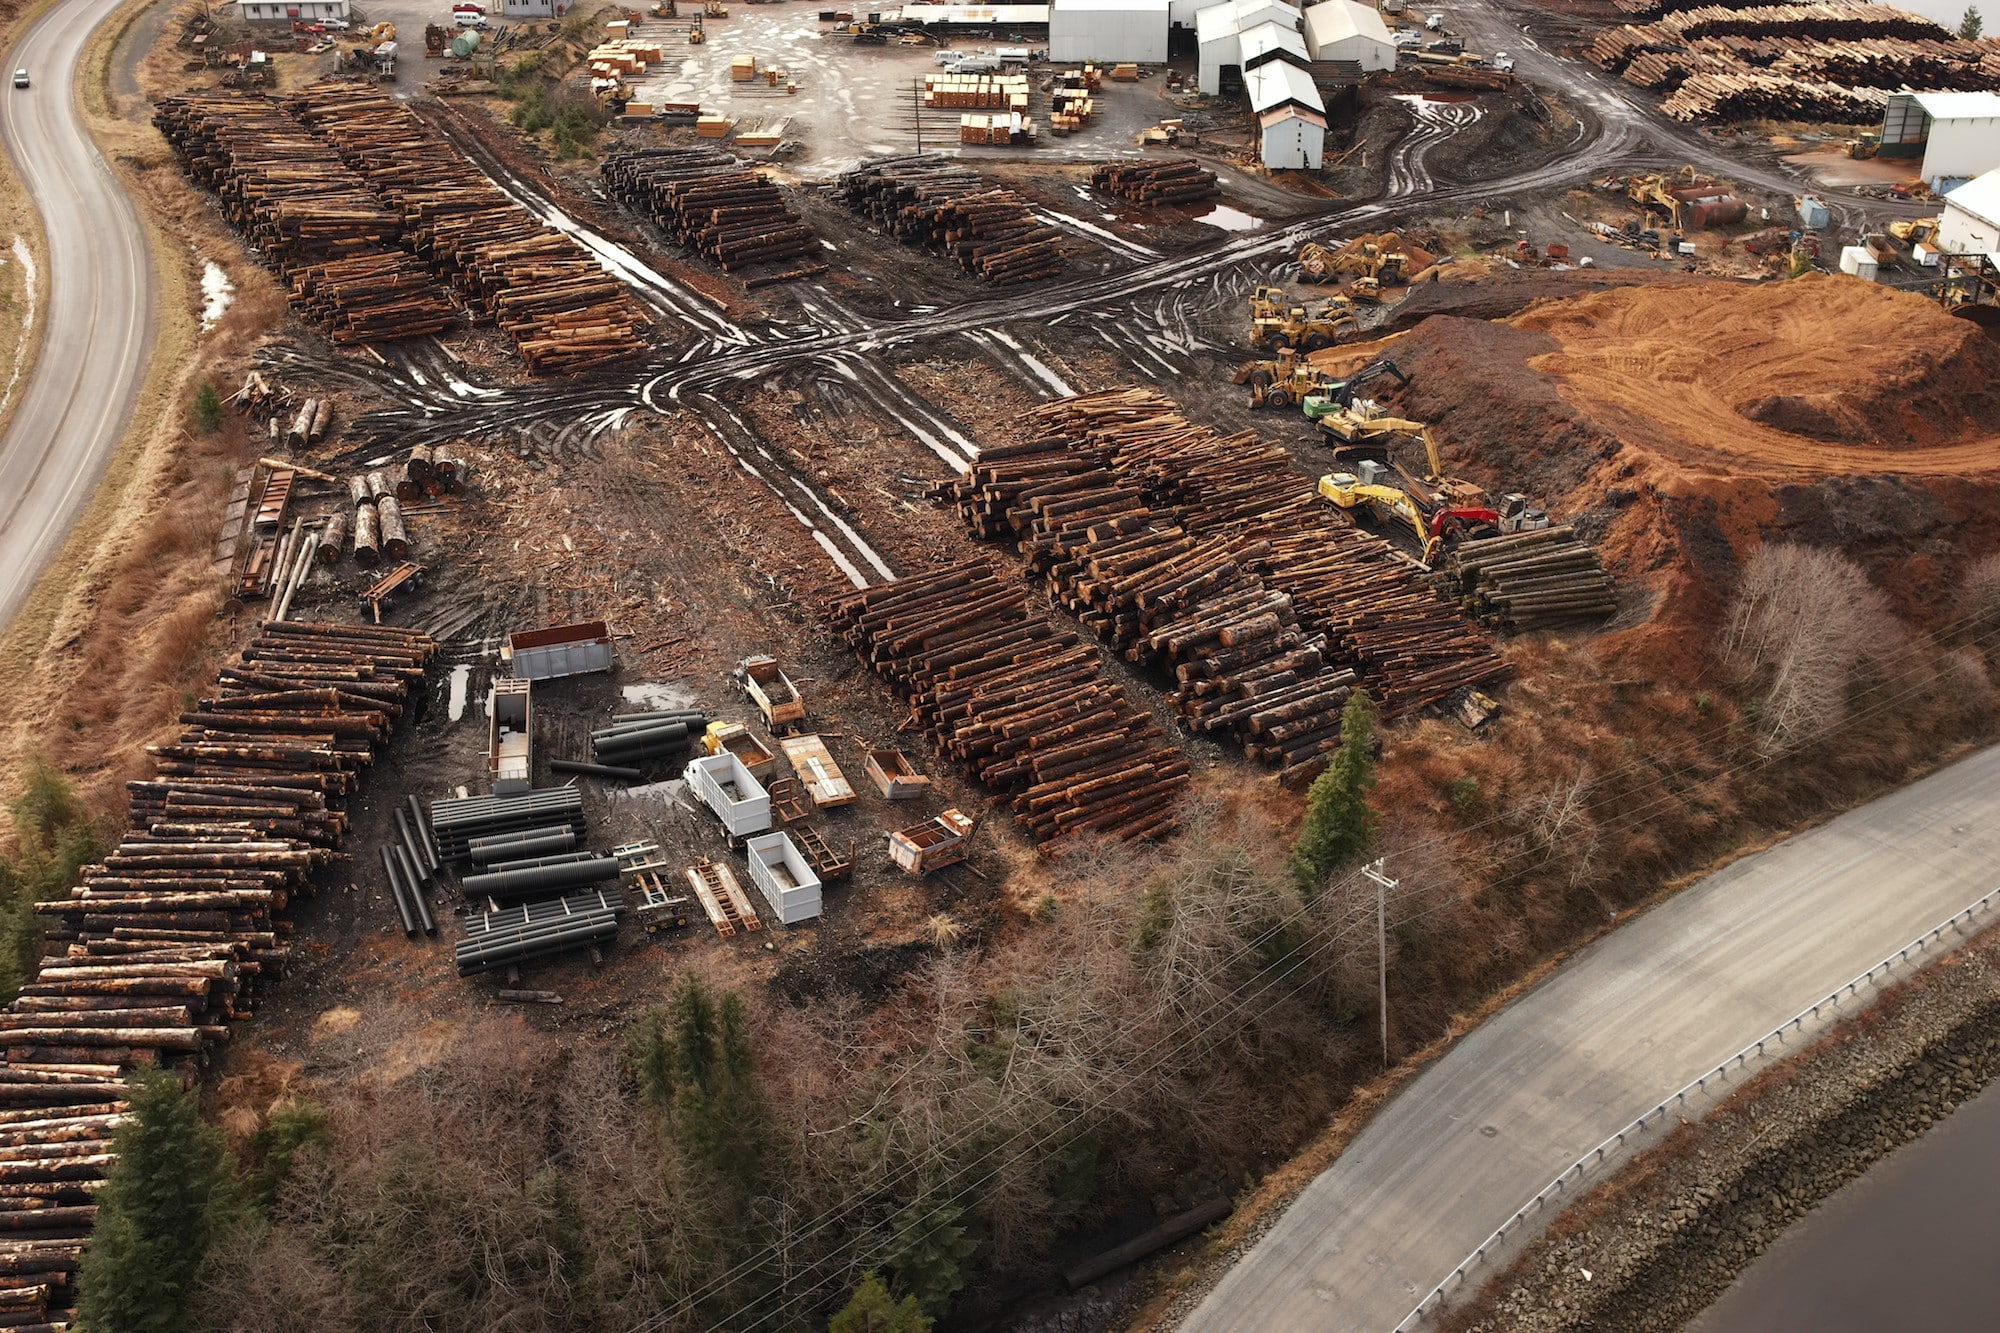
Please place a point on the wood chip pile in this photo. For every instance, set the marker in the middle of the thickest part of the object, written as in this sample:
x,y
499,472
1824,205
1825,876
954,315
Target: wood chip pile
x,y
1817,61
176,931
291,196
1024,704
1179,181
560,307
1532,580
1206,555
930,201
709,201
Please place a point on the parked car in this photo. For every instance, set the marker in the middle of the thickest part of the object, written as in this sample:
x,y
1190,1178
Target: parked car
x,y
20,78
468,19
334,25
1503,62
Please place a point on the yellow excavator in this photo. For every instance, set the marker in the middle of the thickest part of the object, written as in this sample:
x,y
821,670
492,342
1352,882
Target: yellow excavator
x,y
1915,231
1436,522
1276,323
1287,380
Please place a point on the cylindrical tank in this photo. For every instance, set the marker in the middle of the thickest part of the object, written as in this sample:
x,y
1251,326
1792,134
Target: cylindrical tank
x,y
1714,213
465,44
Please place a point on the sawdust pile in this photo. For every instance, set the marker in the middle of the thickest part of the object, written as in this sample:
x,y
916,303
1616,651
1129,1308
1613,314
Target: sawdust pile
x,y
1822,374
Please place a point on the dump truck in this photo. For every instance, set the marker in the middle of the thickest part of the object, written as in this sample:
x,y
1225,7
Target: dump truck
x,y
724,785
772,691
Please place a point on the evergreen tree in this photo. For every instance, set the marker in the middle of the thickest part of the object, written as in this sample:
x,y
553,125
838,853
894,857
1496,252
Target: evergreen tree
x,y
170,1194
53,838
1971,25
207,408
694,1065
874,1310
1339,828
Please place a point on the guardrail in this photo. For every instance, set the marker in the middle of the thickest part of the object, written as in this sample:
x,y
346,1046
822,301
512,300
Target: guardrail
x,y
1597,1156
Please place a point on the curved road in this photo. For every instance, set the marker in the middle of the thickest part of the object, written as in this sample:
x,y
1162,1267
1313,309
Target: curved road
x,y
98,313
1628,1021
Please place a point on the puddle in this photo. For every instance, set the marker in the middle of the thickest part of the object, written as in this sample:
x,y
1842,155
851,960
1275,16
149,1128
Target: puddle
x,y
461,684
217,291
649,695
1230,219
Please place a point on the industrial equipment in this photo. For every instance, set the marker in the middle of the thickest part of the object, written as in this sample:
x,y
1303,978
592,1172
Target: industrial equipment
x,y
1280,383
1436,523
1339,394
1277,323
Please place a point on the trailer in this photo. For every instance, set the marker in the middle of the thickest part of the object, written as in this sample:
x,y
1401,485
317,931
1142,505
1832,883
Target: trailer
x,y
724,785
782,875
813,762
773,693
827,863
736,738
722,898
933,844
894,775
510,717
560,650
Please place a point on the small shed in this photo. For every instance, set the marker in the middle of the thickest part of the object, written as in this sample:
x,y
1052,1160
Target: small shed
x,y
1292,138
1108,31
1340,30
1970,222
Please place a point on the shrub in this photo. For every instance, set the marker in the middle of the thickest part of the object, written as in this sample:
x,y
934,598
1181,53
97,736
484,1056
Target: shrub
x,y
1339,828
873,1310
54,837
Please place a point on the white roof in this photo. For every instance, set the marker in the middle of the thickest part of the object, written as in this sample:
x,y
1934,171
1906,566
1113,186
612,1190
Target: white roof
x,y
1959,106
1979,197
1233,16
1337,20
1271,36
1277,82
1120,6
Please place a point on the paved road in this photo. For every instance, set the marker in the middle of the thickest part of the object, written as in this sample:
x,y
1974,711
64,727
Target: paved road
x,y
1625,1023
98,312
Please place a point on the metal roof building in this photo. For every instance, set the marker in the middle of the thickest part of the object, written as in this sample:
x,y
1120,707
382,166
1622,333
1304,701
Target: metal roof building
x,y
1956,134
1344,30
1219,30
1108,31
1970,222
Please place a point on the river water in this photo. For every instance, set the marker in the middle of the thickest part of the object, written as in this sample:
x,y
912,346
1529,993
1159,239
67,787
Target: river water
x,y
1910,1245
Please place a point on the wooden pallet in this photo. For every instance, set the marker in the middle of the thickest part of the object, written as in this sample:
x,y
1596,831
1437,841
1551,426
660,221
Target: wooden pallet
x,y
813,762
728,907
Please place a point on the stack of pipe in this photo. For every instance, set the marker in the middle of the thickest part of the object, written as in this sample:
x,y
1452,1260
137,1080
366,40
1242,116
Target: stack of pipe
x,y
456,821
659,736
177,930
514,935
1533,580
1023,703
712,203
1180,180
539,876
928,200
336,243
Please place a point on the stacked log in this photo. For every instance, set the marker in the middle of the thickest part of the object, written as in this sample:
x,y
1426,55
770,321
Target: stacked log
x,y
1023,704
177,931
929,201
1181,180
292,198
712,203
563,311
1532,580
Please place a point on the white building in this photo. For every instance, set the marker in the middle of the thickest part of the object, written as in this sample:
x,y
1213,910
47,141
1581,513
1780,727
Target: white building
x,y
1291,119
532,9
1108,31
1219,30
1345,31
284,11
1970,223
1956,134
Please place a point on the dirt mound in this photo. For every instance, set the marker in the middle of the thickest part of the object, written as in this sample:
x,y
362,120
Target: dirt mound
x,y
1823,374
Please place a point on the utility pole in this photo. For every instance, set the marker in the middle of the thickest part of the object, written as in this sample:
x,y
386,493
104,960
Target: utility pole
x,y
1382,886
917,109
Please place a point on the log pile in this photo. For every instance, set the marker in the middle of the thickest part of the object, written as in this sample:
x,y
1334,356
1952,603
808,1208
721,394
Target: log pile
x,y
177,931
1024,704
292,198
712,203
930,201
1179,181
560,307
1127,463
1532,580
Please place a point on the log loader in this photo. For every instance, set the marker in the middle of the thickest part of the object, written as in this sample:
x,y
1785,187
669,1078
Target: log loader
x,y
1436,524
1275,322
1280,383
1338,395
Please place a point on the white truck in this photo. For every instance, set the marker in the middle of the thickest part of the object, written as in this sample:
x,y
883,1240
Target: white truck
x,y
723,784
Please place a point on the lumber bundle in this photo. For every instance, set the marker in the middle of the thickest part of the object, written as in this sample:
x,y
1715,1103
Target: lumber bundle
x,y
563,311
1532,580
176,932
977,92
1022,703
1363,607
1178,181
709,201
928,200
291,197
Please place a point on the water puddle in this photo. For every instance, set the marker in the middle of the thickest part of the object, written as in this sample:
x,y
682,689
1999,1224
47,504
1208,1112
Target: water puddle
x,y
652,694
1230,219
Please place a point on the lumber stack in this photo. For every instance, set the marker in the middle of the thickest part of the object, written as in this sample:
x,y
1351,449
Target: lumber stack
x,y
1532,580
709,201
1022,703
929,201
177,931
1179,181
291,197
563,311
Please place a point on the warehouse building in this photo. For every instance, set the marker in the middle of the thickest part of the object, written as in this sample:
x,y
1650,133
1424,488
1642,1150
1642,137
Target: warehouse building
x,y
284,11
1343,32
1291,120
1970,222
1956,134
1108,31
1219,32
